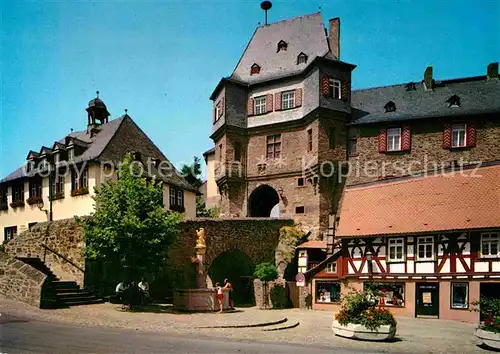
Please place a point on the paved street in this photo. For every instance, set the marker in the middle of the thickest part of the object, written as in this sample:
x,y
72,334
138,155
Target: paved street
x,y
20,335
104,328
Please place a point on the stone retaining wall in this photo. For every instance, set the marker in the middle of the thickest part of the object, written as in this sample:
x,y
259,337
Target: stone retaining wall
x,y
64,252
20,281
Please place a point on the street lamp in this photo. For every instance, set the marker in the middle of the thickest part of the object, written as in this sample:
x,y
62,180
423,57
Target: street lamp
x,y
369,259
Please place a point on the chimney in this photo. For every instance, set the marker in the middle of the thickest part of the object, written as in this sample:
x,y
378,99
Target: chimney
x,y
492,72
428,81
334,39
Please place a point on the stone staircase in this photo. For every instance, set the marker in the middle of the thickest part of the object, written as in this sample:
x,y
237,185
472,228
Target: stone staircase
x,y
60,293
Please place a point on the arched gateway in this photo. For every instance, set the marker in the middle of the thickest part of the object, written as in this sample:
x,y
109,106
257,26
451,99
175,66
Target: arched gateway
x,y
264,202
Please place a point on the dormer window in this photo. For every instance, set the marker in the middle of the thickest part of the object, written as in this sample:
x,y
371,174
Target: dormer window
x,y
71,154
301,59
453,101
282,45
390,107
254,69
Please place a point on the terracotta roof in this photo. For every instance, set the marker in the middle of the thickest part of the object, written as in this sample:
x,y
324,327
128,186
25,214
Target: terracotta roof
x,y
312,244
467,199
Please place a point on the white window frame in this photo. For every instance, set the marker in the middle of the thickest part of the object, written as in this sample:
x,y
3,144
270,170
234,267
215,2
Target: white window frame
x,y
288,99
331,267
491,238
394,139
218,110
396,242
335,86
425,243
458,129
71,154
452,288
260,105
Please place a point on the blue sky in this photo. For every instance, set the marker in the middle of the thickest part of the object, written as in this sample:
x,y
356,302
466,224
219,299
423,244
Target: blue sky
x,y
162,59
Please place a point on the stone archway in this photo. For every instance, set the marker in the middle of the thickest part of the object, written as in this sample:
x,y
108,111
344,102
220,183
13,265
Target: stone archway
x,y
262,201
238,267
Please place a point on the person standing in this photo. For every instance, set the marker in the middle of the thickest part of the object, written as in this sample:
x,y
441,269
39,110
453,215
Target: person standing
x,y
228,286
220,296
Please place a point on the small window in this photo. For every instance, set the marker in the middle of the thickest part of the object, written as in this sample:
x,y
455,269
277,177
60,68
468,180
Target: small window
x,y
453,101
79,180
18,192
10,232
425,248
387,294
254,69
459,295
390,107
331,267
220,152
237,151
458,135
176,199
260,105
490,244
58,186
288,100
218,110
327,292
300,181
299,210
35,188
309,140
3,198
394,139
396,250
352,146
331,137
282,45
301,59
273,146
335,89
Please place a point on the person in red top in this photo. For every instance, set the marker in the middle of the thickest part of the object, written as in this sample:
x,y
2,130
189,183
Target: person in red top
x,y
228,286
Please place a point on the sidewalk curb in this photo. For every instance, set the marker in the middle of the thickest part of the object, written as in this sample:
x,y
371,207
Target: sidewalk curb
x,y
281,328
262,324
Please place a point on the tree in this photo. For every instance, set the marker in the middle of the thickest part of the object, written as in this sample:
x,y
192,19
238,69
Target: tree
x,y
129,227
265,272
192,174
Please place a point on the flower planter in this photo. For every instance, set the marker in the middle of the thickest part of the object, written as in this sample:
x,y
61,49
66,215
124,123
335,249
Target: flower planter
x,y
487,338
357,331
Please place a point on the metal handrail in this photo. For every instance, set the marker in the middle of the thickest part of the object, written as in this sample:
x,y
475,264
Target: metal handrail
x,y
64,258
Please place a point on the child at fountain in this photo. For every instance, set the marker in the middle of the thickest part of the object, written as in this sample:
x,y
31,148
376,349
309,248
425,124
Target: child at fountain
x,y
220,295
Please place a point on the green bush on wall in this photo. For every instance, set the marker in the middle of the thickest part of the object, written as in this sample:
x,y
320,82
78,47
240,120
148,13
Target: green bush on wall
x,y
279,297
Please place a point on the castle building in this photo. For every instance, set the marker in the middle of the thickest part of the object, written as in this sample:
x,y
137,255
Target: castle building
x,y
281,114
58,181
400,185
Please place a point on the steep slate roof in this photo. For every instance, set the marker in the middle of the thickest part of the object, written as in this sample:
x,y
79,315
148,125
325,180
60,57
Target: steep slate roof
x,y
96,146
441,202
477,96
302,34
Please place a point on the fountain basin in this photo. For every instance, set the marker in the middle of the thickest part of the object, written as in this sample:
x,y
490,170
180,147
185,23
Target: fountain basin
x,y
199,300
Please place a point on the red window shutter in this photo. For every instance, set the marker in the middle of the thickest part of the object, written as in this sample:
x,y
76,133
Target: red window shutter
x,y
406,139
325,86
382,140
471,135
222,106
250,106
447,136
346,90
269,102
277,101
298,97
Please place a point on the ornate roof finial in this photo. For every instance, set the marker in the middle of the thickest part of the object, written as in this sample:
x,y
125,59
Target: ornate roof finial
x,y
97,92
126,110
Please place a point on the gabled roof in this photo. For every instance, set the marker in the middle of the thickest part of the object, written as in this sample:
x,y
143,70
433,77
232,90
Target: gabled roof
x,y
302,34
477,96
58,146
466,199
33,154
45,150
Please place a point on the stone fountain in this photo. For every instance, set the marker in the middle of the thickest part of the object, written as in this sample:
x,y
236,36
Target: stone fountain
x,y
202,298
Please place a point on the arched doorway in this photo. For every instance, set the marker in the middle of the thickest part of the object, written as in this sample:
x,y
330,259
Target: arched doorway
x,y
262,200
238,268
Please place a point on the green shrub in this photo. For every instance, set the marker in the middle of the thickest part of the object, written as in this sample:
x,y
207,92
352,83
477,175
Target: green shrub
x,y
490,310
279,297
357,308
